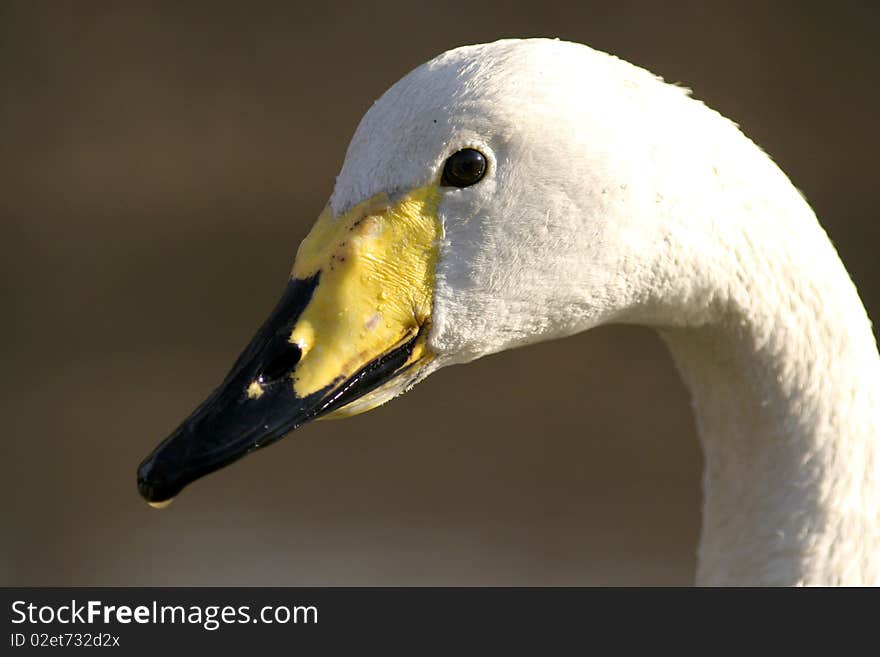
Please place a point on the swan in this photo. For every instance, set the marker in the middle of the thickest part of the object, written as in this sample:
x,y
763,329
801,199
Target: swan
x,y
525,190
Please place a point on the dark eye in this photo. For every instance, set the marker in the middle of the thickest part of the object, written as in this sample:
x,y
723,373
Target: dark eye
x,y
464,168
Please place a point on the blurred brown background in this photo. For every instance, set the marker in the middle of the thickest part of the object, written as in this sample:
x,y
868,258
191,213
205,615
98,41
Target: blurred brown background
x,y
160,164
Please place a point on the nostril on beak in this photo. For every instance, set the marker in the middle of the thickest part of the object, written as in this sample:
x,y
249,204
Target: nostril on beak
x,y
282,359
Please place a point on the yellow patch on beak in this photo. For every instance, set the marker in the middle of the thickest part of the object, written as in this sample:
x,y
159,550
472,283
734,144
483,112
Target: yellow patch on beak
x,y
376,264
254,390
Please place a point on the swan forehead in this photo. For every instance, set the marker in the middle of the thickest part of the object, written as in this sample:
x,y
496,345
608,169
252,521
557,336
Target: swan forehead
x,y
465,97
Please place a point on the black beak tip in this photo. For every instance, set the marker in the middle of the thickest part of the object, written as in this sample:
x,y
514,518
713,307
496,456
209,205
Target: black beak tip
x,y
229,424
152,488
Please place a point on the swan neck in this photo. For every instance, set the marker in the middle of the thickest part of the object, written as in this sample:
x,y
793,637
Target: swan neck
x,y
785,393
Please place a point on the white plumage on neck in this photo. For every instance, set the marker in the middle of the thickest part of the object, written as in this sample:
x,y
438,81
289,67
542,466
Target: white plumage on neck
x,y
614,197
785,394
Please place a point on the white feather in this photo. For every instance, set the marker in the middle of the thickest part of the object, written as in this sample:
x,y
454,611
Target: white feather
x,y
614,197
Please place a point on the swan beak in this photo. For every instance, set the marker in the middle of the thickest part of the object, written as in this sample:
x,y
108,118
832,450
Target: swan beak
x,y
349,332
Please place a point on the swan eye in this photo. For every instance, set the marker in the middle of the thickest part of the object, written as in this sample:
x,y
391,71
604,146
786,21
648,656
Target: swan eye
x,y
464,168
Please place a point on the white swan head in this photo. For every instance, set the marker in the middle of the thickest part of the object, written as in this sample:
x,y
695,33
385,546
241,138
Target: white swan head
x,y
562,232
598,203
562,229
